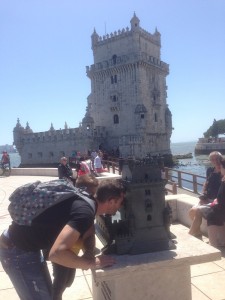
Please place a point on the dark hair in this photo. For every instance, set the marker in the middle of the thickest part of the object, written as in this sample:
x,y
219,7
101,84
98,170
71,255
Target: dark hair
x,y
108,189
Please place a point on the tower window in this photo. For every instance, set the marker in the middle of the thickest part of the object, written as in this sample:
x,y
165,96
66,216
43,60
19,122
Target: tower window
x,y
116,119
40,154
114,59
142,116
114,98
147,192
156,117
113,79
62,153
149,217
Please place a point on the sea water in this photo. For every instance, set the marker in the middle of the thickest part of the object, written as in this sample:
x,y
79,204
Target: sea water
x,y
196,165
15,159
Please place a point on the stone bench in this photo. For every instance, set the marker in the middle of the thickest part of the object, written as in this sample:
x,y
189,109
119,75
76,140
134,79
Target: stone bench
x,y
53,172
180,205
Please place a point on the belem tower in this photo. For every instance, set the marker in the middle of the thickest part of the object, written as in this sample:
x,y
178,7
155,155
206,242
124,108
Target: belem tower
x,y
127,108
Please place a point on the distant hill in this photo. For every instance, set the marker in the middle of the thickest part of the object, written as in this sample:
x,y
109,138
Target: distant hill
x,y
8,148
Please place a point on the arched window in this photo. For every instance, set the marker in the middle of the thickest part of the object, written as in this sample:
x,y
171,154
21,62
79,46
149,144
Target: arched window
x,y
116,119
114,59
112,79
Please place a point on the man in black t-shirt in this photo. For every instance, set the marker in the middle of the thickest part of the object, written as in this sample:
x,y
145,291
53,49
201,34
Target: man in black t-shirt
x,y
59,228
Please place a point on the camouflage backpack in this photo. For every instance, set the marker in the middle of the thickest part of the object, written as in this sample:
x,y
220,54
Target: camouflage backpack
x,y
32,199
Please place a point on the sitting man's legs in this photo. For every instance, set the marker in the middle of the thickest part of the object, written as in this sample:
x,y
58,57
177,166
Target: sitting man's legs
x,y
195,214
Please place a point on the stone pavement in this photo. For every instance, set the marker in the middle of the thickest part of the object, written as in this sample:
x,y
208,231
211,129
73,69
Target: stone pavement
x,y
207,279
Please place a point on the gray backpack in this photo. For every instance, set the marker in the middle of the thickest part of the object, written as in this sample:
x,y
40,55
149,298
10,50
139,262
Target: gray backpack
x,y
30,200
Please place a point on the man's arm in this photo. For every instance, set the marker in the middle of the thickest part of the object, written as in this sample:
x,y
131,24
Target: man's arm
x,y
89,243
62,254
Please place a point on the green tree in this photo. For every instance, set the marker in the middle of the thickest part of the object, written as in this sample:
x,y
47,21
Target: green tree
x,y
218,127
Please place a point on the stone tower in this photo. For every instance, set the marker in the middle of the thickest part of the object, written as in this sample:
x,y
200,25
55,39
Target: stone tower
x,y
128,91
127,112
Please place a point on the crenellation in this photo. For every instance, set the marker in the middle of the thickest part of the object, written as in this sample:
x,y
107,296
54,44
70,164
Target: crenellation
x,y
129,59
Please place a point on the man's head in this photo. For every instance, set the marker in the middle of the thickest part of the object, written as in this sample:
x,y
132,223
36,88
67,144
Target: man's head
x,y
215,158
110,195
63,160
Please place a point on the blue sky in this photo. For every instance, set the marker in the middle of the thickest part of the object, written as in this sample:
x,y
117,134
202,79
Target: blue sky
x,y
45,46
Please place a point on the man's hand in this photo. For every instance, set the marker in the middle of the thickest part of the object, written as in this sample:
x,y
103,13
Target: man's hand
x,y
102,261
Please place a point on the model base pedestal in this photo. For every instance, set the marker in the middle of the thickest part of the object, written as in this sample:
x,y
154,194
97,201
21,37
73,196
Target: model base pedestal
x,y
156,276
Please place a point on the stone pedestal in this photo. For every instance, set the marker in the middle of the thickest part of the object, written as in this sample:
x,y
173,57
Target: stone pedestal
x,y
156,276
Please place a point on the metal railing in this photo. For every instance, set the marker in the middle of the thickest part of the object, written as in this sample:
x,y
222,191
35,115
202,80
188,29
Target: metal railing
x,y
112,166
184,180
175,178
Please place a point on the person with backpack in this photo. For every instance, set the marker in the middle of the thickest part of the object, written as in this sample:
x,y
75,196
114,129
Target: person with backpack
x,y
53,215
63,277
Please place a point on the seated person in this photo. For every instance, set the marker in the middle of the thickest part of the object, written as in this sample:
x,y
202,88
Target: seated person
x,y
64,170
83,168
210,190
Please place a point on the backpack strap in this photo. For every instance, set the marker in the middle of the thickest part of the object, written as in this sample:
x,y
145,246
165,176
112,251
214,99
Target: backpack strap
x,y
85,196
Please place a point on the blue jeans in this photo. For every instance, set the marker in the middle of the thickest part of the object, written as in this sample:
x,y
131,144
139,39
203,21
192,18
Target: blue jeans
x,y
28,273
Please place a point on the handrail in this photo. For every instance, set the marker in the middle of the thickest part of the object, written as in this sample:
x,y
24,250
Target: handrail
x,y
185,180
175,178
112,166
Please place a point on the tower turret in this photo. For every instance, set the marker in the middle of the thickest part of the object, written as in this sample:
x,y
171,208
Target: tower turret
x,y
94,39
18,134
28,129
135,22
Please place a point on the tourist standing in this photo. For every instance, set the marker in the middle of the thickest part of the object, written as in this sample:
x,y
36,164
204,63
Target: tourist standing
x,y
98,164
59,227
63,277
210,190
93,155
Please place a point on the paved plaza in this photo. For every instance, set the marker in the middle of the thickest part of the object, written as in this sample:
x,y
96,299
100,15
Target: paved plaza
x,y
207,279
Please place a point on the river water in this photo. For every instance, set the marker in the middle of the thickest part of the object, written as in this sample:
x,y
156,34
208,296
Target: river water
x,y
196,165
